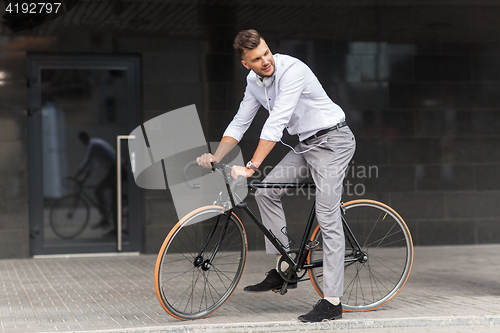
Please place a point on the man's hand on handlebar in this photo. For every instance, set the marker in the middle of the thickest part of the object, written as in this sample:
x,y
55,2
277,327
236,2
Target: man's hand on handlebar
x,y
206,160
241,171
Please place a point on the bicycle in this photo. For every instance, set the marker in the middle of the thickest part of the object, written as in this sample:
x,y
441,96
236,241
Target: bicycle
x,y
203,257
70,215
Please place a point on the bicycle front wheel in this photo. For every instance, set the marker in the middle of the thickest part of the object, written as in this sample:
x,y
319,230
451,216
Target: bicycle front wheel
x,y
200,263
69,216
374,275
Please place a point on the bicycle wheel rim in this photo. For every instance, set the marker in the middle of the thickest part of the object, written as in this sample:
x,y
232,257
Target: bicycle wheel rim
x,y
386,240
69,216
185,290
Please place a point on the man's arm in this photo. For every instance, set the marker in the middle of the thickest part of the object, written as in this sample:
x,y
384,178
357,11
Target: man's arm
x,y
85,168
85,173
263,149
226,145
234,132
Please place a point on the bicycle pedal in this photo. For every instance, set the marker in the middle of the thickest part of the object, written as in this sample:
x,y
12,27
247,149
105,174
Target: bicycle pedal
x,y
281,290
277,290
312,245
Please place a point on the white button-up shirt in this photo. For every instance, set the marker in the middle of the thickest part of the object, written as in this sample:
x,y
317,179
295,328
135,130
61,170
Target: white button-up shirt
x,y
98,152
295,100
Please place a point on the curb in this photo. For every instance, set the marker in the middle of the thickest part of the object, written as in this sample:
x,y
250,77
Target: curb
x,y
471,322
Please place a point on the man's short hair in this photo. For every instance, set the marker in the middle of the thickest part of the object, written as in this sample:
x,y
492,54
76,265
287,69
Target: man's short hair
x,y
246,40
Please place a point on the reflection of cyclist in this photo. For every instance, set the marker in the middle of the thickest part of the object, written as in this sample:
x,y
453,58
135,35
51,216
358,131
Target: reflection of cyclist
x,y
295,99
100,153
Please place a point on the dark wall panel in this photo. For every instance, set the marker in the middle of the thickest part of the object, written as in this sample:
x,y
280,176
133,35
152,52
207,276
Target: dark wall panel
x,y
419,82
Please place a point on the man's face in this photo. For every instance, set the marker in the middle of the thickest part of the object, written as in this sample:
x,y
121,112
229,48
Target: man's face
x,y
260,60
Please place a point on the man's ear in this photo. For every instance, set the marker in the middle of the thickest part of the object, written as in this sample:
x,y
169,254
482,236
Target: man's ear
x,y
244,63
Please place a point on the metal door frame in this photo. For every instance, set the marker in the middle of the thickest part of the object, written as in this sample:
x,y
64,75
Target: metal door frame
x,y
35,64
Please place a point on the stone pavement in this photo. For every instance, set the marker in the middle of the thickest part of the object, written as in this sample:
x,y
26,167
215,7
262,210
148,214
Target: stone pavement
x,y
450,289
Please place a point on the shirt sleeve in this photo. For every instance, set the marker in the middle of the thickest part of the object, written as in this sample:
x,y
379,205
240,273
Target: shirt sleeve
x,y
290,88
87,163
244,117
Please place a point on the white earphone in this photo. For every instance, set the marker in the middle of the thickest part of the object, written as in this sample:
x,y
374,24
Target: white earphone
x,y
266,82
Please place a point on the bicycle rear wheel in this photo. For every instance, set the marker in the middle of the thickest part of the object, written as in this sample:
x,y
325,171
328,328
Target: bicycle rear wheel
x,y
69,216
189,283
374,276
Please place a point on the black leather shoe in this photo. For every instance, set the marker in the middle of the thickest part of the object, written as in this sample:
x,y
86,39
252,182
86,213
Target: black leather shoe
x,y
273,281
321,311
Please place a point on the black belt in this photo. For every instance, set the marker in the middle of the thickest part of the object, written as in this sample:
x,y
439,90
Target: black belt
x,y
323,132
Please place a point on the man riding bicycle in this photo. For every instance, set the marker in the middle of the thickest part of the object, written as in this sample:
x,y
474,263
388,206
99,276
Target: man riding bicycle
x,y
295,99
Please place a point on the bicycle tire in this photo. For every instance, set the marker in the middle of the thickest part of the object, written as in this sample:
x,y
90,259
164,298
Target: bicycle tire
x,y
187,291
385,238
69,216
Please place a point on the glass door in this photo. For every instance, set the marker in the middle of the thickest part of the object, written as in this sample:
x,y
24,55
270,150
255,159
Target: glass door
x,y
78,106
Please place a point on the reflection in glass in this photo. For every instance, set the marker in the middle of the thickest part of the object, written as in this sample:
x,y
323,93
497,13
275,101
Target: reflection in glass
x,y
82,113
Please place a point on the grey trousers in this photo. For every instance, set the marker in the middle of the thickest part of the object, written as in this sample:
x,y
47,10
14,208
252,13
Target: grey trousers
x,y
326,159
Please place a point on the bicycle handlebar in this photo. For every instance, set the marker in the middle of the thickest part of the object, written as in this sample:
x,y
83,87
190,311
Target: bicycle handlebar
x,y
241,181
186,179
67,181
223,168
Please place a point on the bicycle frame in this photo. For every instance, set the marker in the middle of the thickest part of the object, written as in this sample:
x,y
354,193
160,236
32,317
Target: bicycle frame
x,y
297,263
282,249
79,191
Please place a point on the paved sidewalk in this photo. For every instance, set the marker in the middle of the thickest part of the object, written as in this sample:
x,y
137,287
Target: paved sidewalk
x,y
449,288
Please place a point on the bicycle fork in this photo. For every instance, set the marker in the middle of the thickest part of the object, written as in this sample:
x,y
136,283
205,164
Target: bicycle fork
x,y
207,263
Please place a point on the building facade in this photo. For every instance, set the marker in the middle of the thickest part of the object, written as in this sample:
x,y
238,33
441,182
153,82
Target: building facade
x,y
419,82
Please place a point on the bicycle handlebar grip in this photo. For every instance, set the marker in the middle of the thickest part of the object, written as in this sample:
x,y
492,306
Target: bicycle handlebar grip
x,y
239,182
186,179
216,165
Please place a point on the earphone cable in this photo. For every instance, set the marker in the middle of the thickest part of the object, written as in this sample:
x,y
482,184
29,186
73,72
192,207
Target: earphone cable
x,y
286,145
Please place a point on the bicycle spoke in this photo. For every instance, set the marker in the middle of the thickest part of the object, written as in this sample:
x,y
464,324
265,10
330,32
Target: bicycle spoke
x,y
372,273
176,260
386,278
211,285
180,274
182,254
181,294
218,275
391,243
201,286
372,280
373,228
384,238
354,282
193,243
380,260
192,288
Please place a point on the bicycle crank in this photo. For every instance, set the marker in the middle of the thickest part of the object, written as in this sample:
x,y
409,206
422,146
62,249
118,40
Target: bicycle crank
x,y
290,275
